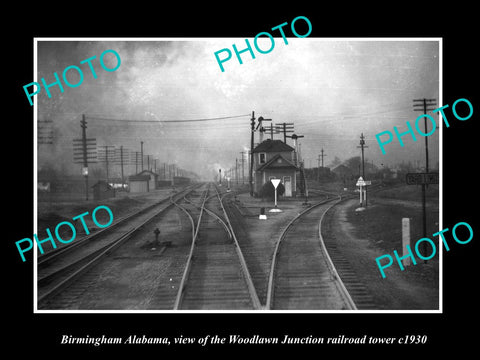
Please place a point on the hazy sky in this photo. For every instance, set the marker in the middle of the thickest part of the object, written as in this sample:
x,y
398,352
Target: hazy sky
x,y
331,89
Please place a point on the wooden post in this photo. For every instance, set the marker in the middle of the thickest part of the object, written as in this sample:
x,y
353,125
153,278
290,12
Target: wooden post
x,y
405,241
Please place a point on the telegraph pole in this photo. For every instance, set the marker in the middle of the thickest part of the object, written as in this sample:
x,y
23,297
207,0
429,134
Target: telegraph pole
x,y
136,162
141,152
252,124
362,146
83,125
243,166
318,169
425,105
271,131
236,170
121,163
285,128
323,156
320,156
107,152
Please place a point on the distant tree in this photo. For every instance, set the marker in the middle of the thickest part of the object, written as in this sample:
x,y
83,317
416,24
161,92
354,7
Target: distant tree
x,y
335,162
354,164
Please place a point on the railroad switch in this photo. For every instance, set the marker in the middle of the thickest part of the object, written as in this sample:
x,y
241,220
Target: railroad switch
x,y
156,232
262,215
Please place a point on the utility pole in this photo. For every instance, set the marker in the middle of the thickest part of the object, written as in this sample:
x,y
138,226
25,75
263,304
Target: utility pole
x,y
252,124
83,125
285,128
236,170
141,152
320,156
271,131
121,164
362,146
136,162
318,169
424,105
323,156
243,166
106,152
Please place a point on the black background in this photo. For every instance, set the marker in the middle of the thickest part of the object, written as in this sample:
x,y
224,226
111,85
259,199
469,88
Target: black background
x,y
25,332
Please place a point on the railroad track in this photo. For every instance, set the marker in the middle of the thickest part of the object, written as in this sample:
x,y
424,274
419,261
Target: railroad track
x,y
216,275
286,286
302,275
59,269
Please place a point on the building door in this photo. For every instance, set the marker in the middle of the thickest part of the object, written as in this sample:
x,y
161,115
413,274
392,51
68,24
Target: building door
x,y
287,183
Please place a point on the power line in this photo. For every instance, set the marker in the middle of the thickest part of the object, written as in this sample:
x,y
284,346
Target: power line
x,y
166,121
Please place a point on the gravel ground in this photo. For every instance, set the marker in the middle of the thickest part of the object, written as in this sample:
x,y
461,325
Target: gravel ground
x,y
139,275
258,238
363,238
49,214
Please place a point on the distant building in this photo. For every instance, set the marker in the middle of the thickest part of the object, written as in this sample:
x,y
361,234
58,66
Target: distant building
x,y
152,178
139,183
180,180
163,183
273,159
102,190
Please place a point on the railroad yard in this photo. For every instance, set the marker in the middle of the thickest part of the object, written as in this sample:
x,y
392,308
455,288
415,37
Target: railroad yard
x,y
241,182
265,187
212,252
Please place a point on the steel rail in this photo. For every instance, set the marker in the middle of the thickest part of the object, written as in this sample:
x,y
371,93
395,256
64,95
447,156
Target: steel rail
x,y
51,255
341,286
47,278
91,258
246,273
65,282
270,289
211,213
183,282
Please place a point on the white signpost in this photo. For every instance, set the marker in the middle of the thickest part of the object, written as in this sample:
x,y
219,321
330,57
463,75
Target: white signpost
x,y
405,241
363,194
275,183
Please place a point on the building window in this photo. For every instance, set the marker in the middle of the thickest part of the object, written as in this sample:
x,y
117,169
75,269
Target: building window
x,y
262,158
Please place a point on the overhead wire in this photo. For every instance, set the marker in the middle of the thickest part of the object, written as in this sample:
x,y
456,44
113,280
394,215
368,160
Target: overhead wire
x,y
164,121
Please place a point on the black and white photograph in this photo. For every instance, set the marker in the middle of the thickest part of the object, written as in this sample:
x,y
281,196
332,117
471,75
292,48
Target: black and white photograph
x,y
229,183
260,187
